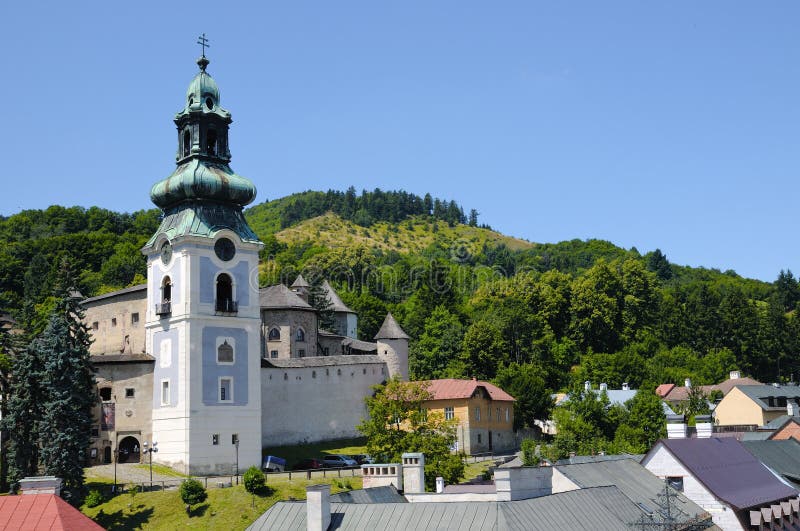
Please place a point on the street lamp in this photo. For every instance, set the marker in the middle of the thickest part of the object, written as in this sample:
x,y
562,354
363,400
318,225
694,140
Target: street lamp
x,y
236,444
153,448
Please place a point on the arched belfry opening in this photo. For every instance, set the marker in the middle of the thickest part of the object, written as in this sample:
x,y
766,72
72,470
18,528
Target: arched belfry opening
x,y
166,290
211,143
187,143
225,302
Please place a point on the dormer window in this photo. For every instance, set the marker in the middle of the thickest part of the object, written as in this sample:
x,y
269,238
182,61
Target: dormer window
x,y
211,142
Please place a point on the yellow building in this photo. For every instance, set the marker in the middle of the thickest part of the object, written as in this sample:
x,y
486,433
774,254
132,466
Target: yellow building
x,y
485,413
757,405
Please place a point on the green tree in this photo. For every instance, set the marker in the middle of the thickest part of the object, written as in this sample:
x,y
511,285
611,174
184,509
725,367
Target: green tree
x,y
597,302
192,493
68,383
318,298
526,383
254,480
645,422
438,346
398,422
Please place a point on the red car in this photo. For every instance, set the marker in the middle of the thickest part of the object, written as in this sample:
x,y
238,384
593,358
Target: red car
x,y
309,464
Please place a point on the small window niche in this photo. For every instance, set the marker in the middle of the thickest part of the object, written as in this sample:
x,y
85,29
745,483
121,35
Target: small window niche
x,y
187,141
225,352
105,394
114,321
274,334
215,439
135,319
226,390
95,325
165,393
300,335
130,392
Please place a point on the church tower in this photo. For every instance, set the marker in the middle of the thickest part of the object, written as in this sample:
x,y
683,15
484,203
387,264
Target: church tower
x,y
203,323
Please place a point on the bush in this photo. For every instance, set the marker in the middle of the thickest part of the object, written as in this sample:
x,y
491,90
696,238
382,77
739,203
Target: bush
x,y
94,498
192,492
254,480
529,457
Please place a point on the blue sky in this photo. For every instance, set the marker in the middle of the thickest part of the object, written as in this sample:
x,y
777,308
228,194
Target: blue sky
x,y
650,124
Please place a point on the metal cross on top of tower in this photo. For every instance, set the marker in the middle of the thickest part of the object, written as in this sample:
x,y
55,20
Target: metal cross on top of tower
x,y
203,41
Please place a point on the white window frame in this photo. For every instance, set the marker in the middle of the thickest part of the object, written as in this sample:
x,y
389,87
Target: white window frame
x,y
229,399
169,391
449,413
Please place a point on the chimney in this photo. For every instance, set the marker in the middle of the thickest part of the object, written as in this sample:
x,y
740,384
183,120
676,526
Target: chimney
x,y
626,386
687,382
40,485
604,386
439,485
318,507
705,429
676,427
735,375
587,385
413,473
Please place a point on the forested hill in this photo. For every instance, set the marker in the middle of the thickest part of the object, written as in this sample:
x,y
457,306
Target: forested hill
x,y
476,302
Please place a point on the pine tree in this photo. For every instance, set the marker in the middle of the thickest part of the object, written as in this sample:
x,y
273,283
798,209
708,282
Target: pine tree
x,y
68,380
7,347
319,300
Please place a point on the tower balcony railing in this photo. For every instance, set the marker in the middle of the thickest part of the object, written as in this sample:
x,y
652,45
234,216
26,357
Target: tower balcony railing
x,y
164,308
226,306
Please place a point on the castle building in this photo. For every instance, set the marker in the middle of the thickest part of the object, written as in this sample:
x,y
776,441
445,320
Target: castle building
x,y
202,361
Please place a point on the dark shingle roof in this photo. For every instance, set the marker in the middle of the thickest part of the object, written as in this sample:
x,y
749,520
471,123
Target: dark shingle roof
x,y
124,291
337,305
386,494
729,471
300,282
779,422
121,358
599,509
319,361
390,329
279,297
782,457
761,393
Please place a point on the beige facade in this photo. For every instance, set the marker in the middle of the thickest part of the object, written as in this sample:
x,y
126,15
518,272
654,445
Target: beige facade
x,y
123,415
484,425
288,333
741,408
116,321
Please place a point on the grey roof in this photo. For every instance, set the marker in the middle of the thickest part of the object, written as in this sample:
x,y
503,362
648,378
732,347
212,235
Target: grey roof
x,y
132,289
783,457
337,305
300,282
728,470
778,423
390,329
319,361
600,508
581,459
279,297
632,479
760,393
357,344
386,494
121,358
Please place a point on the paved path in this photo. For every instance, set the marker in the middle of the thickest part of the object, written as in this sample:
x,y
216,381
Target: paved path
x,y
128,473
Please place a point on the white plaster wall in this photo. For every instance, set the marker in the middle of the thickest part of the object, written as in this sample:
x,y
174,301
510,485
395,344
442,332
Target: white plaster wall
x,y
395,353
523,483
315,404
562,483
432,497
662,463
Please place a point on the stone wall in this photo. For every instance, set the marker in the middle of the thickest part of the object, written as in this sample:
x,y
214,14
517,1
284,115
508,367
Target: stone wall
x,y
288,321
116,322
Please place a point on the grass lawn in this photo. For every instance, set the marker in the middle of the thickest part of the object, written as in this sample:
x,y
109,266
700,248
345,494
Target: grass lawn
x,y
228,509
473,470
296,453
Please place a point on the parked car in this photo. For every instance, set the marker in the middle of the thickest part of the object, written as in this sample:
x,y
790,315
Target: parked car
x,y
312,463
362,459
338,461
274,464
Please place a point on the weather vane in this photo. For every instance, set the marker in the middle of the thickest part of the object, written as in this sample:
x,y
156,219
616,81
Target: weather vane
x,y
202,41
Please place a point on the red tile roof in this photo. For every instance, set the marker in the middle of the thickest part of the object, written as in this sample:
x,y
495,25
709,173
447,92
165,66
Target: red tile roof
x,y
681,394
34,512
664,389
450,388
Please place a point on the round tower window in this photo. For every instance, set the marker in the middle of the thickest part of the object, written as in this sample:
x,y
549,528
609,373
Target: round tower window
x,y
224,249
209,103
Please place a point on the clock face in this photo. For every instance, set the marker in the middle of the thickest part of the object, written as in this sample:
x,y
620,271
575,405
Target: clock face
x,y
166,253
225,249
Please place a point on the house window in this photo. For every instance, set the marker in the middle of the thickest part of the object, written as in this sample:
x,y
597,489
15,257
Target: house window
x,y
225,352
300,335
479,438
498,414
449,414
234,438
95,432
477,413
301,353
508,416
676,482
225,390
215,439
130,392
134,319
325,351
113,321
274,334
273,353
165,392
105,394
95,325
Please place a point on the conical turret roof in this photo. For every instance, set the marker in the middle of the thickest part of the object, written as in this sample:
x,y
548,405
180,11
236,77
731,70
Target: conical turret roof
x,y
390,329
300,282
